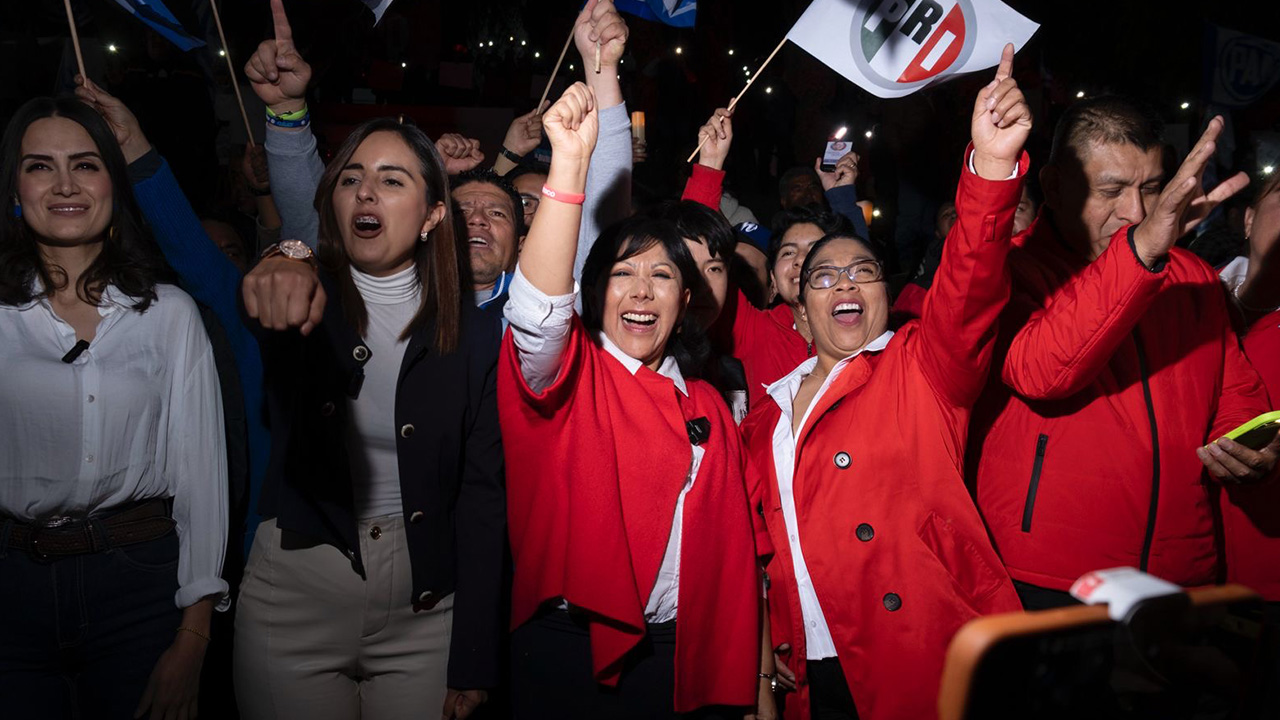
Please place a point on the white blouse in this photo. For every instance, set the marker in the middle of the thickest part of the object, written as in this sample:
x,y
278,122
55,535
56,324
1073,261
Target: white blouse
x,y
138,415
390,302
540,329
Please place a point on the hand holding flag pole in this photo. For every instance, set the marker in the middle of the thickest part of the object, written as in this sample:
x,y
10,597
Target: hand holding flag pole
x,y
235,84
734,102
75,38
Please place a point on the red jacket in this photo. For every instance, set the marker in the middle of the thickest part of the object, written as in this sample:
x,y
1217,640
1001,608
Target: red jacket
x,y
1251,513
595,464
766,341
1110,376
895,548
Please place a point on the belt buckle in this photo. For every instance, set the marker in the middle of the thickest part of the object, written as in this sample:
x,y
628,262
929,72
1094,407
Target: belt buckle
x,y
37,528
56,522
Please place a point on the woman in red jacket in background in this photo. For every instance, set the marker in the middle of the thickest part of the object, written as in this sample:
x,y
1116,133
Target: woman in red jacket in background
x,y
636,591
881,554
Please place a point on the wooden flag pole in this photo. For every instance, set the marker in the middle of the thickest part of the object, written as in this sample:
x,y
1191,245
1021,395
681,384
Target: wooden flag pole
x,y
235,84
555,70
75,39
734,102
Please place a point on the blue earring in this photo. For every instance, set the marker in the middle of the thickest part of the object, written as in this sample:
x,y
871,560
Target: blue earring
x,y
17,210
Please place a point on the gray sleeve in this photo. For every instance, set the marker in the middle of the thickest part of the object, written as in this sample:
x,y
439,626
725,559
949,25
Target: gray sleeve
x,y
295,168
608,181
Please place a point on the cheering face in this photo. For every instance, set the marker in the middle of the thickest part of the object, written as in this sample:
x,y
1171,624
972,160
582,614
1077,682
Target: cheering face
x,y
800,191
63,184
1113,185
709,295
796,242
644,301
491,230
530,188
847,315
381,205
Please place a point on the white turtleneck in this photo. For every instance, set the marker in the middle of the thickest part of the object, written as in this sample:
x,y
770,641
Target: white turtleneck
x,y
391,303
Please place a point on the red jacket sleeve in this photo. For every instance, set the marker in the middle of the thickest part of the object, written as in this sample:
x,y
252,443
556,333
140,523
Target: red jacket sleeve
x,y
1076,330
1243,396
705,186
971,287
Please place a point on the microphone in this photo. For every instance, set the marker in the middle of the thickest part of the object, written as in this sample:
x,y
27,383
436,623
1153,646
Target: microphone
x,y
699,430
74,352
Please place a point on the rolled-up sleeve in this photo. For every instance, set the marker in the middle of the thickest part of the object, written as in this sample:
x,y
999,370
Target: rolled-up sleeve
x,y
539,328
195,469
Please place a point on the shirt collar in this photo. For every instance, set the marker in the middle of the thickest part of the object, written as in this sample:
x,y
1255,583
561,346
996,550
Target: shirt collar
x,y
784,391
669,368
111,300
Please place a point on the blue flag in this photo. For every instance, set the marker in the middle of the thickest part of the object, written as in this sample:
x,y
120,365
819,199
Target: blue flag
x,y
158,18
677,13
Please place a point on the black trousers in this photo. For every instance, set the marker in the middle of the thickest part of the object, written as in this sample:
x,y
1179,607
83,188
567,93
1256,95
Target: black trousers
x,y
551,675
1034,597
829,696
80,635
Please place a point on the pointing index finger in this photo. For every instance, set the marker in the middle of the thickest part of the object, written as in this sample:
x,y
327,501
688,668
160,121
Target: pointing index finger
x,y
284,33
1006,63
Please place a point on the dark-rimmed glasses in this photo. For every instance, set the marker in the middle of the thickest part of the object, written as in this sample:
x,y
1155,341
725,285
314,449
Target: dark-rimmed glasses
x,y
862,271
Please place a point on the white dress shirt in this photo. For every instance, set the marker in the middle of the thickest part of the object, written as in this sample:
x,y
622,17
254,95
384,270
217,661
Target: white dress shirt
x,y
138,415
817,636
540,328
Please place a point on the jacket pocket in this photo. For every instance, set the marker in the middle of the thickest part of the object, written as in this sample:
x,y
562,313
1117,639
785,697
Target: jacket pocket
x,y
963,560
1034,486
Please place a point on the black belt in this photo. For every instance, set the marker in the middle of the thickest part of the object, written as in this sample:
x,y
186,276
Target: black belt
x,y
63,536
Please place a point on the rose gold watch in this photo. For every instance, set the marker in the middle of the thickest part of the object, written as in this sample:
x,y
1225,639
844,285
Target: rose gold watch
x,y
291,249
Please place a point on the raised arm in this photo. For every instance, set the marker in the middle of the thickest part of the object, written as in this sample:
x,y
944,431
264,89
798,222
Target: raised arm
x,y
609,174
972,283
1063,346
838,185
279,76
540,304
706,183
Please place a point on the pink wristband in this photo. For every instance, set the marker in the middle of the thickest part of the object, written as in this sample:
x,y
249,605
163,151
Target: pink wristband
x,y
564,197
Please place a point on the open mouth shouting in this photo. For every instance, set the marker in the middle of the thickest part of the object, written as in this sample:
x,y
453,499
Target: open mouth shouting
x,y
847,314
639,322
366,225
479,242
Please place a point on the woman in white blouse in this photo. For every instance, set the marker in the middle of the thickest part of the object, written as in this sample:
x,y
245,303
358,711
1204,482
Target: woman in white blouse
x,y
113,490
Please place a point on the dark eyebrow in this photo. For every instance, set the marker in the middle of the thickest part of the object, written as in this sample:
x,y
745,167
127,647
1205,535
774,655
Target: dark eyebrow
x,y
75,156
1113,180
395,168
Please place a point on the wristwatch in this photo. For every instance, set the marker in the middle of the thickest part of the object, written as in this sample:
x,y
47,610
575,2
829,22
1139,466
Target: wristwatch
x,y
291,249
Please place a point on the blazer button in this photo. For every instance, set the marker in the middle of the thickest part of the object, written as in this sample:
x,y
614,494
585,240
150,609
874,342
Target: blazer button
x,y
865,532
375,532
416,517
406,430
843,460
892,602
326,409
361,353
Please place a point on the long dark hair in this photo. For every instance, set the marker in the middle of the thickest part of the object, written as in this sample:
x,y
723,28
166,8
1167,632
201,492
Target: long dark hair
x,y
629,238
438,259
129,259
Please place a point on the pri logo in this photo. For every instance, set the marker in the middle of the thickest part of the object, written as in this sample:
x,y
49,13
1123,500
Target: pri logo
x,y
905,44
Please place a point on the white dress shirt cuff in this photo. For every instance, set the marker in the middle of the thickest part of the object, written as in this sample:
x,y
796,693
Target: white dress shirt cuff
x,y
974,170
540,326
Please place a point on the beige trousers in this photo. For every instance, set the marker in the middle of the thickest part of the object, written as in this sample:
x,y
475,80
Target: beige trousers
x,y
314,640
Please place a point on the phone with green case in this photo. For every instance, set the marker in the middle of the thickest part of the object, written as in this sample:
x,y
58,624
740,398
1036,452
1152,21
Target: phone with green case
x,y
1258,432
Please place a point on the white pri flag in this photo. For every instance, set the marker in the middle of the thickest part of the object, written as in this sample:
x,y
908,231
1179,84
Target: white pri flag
x,y
892,48
378,7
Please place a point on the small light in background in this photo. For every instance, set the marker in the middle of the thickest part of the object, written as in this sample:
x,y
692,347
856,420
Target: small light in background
x,y
768,90
730,51
1268,169
570,66
875,213
404,64
537,54
679,50
840,133
111,48
1185,105
523,43
1080,94
868,134
511,38
490,43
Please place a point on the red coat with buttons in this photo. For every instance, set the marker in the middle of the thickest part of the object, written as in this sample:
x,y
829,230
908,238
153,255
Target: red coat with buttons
x,y
1251,513
895,548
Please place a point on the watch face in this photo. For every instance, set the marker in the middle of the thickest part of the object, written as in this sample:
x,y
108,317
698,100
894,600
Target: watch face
x,y
295,249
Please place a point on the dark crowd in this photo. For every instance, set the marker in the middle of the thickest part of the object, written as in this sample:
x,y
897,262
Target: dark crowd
x,y
375,425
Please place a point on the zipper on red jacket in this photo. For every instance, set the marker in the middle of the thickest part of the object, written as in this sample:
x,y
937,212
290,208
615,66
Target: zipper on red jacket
x,y
1155,453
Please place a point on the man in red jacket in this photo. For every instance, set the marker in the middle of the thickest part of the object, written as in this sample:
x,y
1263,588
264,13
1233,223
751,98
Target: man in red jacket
x,y
1116,364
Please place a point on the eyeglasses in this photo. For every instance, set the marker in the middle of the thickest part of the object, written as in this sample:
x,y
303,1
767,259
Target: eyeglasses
x,y
862,271
529,202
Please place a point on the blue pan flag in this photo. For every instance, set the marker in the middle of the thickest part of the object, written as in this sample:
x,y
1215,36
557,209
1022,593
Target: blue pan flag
x,y
157,17
677,13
